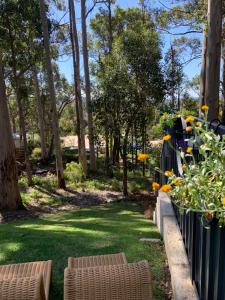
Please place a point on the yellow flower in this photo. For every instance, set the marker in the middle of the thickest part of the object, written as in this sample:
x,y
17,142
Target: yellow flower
x,y
190,119
184,167
189,128
166,188
142,157
205,108
198,124
168,173
223,200
178,181
189,150
167,137
155,186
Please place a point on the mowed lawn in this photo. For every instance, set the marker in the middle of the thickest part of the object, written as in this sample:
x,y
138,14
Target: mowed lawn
x,y
106,229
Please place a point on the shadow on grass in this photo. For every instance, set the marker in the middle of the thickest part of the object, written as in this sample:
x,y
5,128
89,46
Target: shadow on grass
x,y
100,230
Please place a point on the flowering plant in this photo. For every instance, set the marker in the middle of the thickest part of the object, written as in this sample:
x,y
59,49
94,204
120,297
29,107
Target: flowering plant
x,y
201,185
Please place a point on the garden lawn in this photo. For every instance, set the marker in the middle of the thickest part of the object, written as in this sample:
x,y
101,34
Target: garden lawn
x,y
106,229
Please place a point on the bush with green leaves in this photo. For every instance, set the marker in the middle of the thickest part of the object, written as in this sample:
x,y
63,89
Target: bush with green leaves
x,y
74,172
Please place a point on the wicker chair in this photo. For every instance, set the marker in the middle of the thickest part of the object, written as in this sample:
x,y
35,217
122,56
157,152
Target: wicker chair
x,y
118,282
26,288
26,271
98,260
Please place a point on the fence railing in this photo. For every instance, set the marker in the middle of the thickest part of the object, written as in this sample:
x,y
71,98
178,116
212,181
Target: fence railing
x,y
205,247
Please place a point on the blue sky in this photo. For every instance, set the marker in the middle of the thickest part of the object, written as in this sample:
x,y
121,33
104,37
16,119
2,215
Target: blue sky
x,y
65,63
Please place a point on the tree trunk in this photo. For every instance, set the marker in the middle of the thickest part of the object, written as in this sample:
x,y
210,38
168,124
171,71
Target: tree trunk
x,y
124,155
110,25
213,57
107,156
143,146
173,98
55,125
223,84
203,72
88,87
39,109
9,191
23,129
17,82
75,81
79,104
116,148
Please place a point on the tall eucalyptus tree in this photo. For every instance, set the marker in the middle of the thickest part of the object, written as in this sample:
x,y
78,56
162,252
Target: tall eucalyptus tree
x,y
9,191
77,82
55,125
88,86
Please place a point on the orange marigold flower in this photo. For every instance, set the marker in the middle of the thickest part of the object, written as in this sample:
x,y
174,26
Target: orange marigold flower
x,y
178,181
189,150
142,157
189,128
198,124
205,108
155,186
167,137
208,214
223,200
190,119
168,173
166,188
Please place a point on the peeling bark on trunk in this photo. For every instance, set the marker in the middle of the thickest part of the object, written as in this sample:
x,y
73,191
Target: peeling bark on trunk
x,y
40,115
79,104
55,125
213,58
9,191
88,87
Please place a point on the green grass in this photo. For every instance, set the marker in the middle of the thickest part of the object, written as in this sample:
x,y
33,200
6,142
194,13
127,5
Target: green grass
x,y
99,230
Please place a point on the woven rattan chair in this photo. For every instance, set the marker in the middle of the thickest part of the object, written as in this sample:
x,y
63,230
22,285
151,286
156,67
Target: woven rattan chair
x,y
26,288
98,260
118,282
31,269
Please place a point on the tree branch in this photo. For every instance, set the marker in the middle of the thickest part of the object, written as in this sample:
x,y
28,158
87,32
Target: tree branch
x,y
93,7
180,33
190,60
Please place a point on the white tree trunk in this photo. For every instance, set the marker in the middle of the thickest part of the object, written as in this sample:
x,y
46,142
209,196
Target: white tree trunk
x,y
9,191
40,115
213,58
203,71
76,61
88,87
55,124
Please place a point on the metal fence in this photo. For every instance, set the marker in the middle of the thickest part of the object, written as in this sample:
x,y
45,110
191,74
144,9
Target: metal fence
x,y
205,247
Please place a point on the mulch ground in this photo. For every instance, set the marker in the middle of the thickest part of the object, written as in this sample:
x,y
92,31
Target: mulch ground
x,y
71,200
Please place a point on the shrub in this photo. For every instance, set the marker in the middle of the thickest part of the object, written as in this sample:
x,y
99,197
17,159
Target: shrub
x,y
36,153
117,185
74,172
133,188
